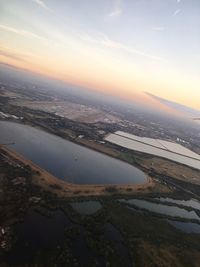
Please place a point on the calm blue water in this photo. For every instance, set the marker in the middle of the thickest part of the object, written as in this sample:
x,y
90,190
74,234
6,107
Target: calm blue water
x,y
172,211
66,160
192,203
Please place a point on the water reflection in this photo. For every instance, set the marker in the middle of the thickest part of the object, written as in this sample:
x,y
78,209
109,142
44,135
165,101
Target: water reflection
x,y
162,209
192,203
67,160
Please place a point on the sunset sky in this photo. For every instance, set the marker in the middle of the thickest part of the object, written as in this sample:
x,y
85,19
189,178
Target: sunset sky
x,y
121,47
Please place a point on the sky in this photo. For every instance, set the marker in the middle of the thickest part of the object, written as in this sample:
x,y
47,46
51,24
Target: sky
x,y
119,47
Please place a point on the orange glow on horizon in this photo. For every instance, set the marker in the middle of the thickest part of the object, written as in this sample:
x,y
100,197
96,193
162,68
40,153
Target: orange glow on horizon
x,y
103,88
95,51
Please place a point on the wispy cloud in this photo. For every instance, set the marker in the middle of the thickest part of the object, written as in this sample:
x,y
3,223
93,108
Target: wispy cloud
x,y
12,55
103,40
31,35
176,12
42,5
22,32
178,1
115,12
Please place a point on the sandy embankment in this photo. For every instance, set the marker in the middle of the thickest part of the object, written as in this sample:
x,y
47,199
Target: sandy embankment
x,y
64,189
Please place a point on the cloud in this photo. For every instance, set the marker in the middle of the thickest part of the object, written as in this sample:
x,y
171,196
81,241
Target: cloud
x,y
115,12
178,1
22,32
42,5
103,40
12,56
28,34
100,39
176,12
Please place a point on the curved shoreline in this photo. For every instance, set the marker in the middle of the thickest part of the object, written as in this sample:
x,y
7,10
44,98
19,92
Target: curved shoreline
x,y
51,183
161,166
102,149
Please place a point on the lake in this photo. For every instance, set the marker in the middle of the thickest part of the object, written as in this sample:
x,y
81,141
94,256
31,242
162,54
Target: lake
x,y
67,160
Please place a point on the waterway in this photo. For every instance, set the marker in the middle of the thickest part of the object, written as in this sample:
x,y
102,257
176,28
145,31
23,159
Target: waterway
x,y
171,211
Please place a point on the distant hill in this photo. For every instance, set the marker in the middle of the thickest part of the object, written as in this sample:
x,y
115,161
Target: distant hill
x,y
178,107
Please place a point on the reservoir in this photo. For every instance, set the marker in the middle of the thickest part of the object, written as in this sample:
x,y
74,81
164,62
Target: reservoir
x,y
160,148
66,160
